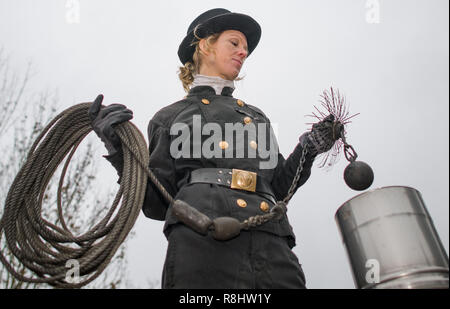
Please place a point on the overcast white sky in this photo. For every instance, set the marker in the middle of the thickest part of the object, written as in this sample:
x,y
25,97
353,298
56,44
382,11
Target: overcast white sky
x,y
394,72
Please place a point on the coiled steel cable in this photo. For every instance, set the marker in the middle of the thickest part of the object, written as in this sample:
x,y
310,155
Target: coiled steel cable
x,y
43,247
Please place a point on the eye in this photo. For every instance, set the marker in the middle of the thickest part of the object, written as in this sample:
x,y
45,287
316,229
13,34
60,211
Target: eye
x,y
234,43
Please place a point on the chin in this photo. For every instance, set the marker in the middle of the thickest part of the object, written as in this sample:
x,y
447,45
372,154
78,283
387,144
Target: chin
x,y
233,76
232,72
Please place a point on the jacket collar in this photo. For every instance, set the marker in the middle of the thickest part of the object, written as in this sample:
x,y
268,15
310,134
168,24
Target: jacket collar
x,y
208,90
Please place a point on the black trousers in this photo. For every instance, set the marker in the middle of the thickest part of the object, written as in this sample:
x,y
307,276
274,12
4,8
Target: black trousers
x,y
253,260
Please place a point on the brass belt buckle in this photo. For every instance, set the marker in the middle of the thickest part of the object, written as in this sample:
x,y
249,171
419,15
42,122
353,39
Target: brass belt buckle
x,y
243,180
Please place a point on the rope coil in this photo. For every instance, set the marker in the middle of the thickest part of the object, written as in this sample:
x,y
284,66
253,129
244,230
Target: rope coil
x,y
43,247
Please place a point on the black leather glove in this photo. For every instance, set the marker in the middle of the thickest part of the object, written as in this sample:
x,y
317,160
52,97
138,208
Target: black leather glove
x,y
103,120
322,136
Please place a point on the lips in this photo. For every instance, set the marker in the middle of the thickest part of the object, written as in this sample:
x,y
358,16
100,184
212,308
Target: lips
x,y
238,61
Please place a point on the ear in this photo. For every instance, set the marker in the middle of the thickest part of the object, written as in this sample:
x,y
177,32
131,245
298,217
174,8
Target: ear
x,y
202,45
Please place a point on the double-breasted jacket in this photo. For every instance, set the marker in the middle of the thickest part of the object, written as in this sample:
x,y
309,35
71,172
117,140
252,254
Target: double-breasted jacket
x,y
219,134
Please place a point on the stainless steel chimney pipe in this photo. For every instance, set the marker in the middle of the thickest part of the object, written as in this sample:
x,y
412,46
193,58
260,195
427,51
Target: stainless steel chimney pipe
x,y
391,241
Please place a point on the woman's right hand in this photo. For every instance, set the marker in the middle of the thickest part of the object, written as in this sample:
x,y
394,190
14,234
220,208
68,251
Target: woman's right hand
x,y
103,120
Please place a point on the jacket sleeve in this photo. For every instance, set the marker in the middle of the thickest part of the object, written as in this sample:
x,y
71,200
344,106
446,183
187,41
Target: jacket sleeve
x,y
162,165
286,169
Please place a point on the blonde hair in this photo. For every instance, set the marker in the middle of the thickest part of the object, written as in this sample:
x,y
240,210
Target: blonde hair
x,y
186,73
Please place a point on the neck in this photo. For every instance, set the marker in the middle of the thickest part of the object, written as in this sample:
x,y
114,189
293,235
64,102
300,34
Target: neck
x,y
217,82
210,71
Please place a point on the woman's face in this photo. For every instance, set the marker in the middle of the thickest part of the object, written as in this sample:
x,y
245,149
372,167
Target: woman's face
x,y
230,53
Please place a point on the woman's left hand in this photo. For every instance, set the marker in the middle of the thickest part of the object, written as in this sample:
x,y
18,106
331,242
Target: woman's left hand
x,y
323,135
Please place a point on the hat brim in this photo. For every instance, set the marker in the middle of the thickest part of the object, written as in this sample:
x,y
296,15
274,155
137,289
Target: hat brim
x,y
228,21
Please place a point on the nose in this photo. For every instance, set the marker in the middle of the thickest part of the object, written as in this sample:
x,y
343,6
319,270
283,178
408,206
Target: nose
x,y
243,53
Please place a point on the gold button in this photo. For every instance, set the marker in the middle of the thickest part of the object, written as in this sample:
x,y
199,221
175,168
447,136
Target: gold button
x,y
253,144
264,206
241,203
205,101
223,144
247,120
240,102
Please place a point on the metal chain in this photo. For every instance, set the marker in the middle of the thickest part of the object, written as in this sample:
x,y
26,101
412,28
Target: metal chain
x,y
279,209
349,152
293,187
256,220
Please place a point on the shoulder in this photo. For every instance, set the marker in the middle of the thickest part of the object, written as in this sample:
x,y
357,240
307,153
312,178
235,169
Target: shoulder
x,y
257,110
165,116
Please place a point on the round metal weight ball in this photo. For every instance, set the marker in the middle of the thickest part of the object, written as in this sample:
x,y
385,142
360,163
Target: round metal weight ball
x,y
358,175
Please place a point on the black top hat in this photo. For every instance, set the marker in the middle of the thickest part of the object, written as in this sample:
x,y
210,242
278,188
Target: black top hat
x,y
216,21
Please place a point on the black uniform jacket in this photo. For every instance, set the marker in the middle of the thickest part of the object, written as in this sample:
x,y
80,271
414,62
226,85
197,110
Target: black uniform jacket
x,y
173,156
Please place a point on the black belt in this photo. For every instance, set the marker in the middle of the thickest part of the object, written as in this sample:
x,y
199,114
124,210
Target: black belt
x,y
235,179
